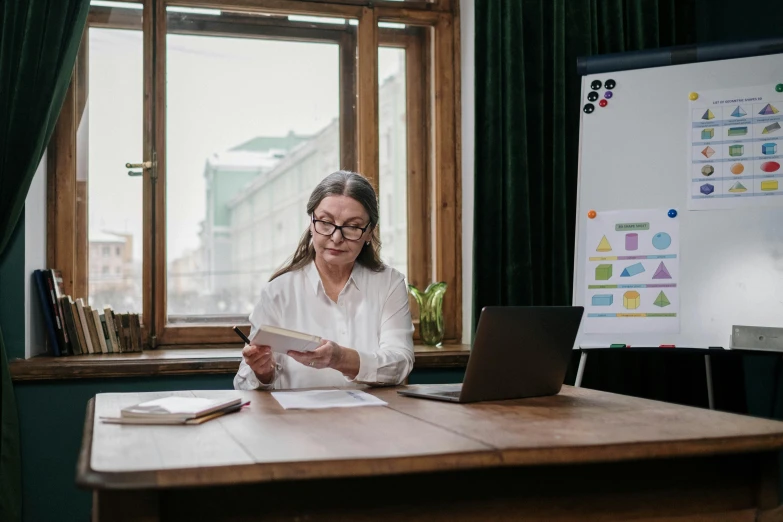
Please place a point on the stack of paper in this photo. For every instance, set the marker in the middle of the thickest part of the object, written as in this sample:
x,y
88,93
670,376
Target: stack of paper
x,y
176,410
318,399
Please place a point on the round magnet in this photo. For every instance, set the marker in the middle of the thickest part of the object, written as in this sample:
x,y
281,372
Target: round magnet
x,y
591,214
608,94
596,85
603,103
592,96
779,87
672,213
693,96
610,84
588,108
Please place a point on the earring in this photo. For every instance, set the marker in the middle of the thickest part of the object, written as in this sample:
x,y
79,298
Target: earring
x,y
368,242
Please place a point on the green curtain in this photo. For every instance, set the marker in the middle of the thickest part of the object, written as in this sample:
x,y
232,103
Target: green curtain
x,y
39,40
527,132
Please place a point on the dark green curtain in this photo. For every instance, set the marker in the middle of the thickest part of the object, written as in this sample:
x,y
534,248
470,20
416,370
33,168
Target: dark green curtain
x,y
39,40
527,131
528,103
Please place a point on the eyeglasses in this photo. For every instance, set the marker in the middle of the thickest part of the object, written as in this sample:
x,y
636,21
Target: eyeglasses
x,y
351,233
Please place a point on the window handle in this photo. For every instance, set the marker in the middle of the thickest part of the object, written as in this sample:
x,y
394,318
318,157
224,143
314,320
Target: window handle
x,y
144,165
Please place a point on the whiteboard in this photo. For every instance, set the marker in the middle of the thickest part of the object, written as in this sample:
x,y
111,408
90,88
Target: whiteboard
x,y
633,155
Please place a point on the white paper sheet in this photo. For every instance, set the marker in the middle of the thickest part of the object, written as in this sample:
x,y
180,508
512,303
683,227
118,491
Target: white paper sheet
x,y
632,272
735,157
319,399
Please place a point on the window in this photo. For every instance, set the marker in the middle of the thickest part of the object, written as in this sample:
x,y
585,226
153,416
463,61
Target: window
x,y
229,119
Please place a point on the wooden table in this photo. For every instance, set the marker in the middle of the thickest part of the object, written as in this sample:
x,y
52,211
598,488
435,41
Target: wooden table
x,y
582,454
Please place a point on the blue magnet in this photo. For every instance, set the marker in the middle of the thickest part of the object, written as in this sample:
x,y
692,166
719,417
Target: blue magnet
x,y
608,94
672,213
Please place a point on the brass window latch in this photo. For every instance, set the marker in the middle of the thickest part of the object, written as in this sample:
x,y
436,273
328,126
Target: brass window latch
x,y
145,165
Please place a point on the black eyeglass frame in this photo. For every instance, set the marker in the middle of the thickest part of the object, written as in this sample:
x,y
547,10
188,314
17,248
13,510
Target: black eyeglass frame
x,y
340,228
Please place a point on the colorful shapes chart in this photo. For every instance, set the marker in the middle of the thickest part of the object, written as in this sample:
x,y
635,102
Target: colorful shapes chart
x,y
662,300
631,281
632,270
603,272
631,241
769,185
631,300
661,240
662,272
736,143
739,112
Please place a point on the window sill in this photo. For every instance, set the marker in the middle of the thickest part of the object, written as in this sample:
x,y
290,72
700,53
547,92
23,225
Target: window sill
x,y
210,360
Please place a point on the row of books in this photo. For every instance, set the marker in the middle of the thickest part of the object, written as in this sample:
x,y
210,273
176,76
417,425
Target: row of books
x,y
74,328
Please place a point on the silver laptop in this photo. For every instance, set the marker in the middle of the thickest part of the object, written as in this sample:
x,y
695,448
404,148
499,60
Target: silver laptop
x,y
518,351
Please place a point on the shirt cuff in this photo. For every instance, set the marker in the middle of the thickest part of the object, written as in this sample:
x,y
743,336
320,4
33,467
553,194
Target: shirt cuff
x,y
247,380
368,367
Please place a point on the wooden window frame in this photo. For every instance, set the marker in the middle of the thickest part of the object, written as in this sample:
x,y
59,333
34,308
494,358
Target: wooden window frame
x,y
431,41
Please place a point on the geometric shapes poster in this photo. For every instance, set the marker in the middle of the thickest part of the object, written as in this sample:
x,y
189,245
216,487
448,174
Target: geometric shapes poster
x,y
630,258
735,132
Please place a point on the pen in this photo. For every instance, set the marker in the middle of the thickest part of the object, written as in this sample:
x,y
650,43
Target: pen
x,y
240,334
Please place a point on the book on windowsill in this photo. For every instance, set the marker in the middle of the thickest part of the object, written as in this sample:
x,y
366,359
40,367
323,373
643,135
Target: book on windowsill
x,y
176,410
281,340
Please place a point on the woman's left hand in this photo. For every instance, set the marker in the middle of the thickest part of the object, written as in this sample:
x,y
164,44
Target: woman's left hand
x,y
327,355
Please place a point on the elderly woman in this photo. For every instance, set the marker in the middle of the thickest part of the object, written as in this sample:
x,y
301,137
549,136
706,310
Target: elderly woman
x,y
334,286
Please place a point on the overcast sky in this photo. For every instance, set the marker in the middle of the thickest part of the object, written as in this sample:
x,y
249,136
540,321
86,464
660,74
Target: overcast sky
x,y
220,93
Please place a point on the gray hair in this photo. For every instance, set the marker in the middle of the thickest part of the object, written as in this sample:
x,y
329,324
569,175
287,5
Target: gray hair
x,y
340,183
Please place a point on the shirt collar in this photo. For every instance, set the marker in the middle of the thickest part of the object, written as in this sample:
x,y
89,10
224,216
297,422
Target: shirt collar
x,y
315,278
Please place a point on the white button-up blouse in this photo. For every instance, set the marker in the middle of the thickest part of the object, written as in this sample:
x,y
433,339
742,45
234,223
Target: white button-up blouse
x,y
371,316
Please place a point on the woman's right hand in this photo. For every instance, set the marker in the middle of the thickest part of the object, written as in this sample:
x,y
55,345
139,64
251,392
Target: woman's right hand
x,y
260,360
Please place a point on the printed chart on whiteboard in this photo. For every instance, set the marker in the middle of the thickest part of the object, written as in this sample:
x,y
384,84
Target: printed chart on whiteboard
x,y
735,155
632,273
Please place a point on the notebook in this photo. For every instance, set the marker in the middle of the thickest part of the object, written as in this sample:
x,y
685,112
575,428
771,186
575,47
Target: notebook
x,y
282,340
175,410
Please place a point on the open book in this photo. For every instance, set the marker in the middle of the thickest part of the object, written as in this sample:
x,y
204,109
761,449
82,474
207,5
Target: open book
x,y
175,410
282,340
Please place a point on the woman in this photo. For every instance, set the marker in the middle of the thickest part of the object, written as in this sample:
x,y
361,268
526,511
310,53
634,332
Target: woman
x,y
334,286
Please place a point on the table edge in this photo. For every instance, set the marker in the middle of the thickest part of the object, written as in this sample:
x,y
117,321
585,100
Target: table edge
x,y
87,478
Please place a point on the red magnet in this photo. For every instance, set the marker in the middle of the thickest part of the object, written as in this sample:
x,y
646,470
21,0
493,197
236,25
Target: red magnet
x,y
603,103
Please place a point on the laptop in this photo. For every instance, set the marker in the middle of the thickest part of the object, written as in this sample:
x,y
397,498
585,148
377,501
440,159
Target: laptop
x,y
518,351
